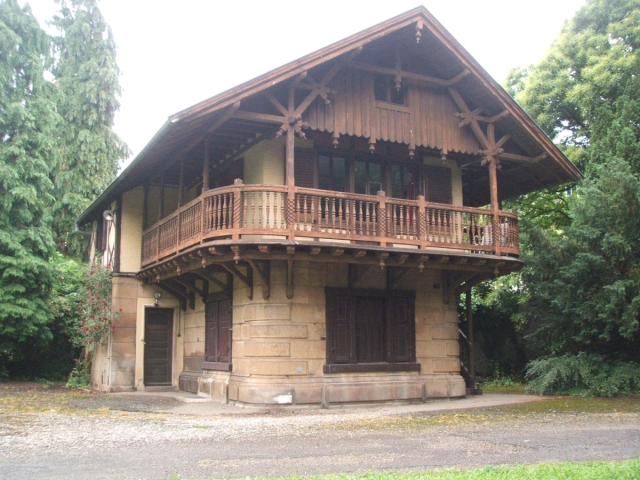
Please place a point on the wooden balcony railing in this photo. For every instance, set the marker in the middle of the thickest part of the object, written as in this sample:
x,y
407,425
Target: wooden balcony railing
x,y
245,210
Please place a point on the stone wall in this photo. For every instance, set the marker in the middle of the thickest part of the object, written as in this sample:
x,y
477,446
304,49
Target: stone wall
x,y
279,344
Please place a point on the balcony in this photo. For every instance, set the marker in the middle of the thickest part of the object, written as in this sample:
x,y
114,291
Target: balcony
x,y
263,211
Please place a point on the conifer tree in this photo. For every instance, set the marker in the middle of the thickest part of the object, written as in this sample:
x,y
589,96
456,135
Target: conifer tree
x,y
28,153
86,73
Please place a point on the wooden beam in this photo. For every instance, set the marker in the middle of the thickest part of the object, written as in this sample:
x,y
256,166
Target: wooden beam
x,y
357,273
438,82
209,277
274,101
264,274
246,279
325,80
225,116
260,117
190,296
395,275
182,298
478,278
521,158
475,127
189,286
502,141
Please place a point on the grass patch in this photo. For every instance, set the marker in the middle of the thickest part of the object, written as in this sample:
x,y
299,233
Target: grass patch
x,y
629,470
552,407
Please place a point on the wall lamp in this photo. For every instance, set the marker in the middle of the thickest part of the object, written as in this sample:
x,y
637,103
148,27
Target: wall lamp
x,y
157,295
109,215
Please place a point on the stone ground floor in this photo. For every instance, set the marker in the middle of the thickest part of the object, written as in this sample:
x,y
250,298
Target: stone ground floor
x,y
92,436
321,334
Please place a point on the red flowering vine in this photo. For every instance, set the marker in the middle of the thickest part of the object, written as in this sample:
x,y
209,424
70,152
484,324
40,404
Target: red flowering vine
x,y
96,315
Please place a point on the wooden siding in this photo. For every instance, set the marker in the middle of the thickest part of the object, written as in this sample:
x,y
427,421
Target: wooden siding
x,y
429,115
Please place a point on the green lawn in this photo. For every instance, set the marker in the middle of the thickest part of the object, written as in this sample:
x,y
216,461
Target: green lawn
x,y
629,470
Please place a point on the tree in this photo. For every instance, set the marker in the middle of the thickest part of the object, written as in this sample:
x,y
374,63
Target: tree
x,y
581,284
28,153
87,75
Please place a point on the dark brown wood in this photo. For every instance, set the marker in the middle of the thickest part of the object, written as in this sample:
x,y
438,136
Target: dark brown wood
x,y
180,295
289,279
371,367
205,166
369,326
433,81
263,270
472,360
219,328
158,344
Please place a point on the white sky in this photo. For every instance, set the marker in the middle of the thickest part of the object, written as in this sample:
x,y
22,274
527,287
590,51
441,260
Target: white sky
x,y
174,54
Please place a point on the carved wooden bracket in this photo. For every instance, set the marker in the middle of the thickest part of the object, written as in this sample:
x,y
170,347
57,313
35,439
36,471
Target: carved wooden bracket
x,y
263,270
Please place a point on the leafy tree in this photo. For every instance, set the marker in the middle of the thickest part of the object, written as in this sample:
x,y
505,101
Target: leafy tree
x,y
588,78
28,153
87,75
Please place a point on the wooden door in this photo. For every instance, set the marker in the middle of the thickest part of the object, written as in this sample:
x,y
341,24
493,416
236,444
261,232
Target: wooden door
x,y
158,336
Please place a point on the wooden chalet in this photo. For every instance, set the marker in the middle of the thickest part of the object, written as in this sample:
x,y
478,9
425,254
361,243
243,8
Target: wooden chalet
x,y
303,238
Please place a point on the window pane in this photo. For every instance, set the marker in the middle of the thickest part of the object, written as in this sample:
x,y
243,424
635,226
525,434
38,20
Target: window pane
x,y
360,177
324,173
380,88
339,174
396,181
397,96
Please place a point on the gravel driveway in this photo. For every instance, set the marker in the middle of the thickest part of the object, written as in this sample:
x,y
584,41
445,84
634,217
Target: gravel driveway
x,y
95,442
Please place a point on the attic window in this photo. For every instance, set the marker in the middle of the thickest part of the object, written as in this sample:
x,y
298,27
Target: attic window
x,y
384,90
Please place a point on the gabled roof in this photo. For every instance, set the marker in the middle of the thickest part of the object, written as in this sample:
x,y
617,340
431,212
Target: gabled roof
x,y
183,127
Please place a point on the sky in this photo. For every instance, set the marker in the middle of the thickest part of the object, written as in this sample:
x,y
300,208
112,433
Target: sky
x,y
173,54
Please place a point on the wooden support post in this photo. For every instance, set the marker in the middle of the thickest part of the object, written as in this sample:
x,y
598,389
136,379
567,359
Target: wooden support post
x,y
289,170
493,186
237,209
472,363
205,168
382,217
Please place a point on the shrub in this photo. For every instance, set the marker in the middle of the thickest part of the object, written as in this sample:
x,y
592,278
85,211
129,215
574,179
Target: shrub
x,y
583,374
80,377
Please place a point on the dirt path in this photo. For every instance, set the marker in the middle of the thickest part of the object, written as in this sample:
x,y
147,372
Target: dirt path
x,y
43,436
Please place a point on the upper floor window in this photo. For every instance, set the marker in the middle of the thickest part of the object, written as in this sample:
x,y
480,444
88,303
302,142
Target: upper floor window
x,y
332,173
367,177
384,90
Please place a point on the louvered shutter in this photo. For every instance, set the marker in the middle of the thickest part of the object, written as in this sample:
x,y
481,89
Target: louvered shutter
x,y
438,184
212,324
338,329
304,159
224,331
401,329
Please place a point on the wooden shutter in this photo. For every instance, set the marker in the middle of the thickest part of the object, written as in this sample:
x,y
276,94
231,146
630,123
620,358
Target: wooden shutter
x,y
224,331
401,329
339,331
303,167
370,329
438,184
218,325
212,322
